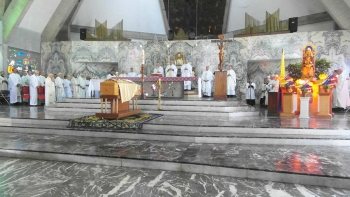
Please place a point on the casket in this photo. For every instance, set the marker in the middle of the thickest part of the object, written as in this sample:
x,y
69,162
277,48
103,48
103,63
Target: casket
x,y
108,88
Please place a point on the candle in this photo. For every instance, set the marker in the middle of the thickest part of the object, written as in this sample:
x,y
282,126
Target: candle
x,y
143,56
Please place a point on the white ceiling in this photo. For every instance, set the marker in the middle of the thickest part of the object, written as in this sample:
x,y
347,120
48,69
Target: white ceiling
x,y
138,15
39,15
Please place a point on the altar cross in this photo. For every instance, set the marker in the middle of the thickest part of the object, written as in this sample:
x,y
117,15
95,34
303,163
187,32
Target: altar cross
x,y
221,44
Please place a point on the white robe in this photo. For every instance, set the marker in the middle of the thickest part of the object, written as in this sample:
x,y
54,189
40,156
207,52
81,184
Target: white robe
x,y
140,75
75,88
231,82
81,87
207,86
250,92
25,80
33,90
132,74
186,71
59,89
15,95
49,91
122,75
159,69
67,88
110,76
274,86
169,71
87,92
341,93
3,85
42,80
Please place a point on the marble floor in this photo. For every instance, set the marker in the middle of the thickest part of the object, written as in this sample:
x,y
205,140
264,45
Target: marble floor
x,y
316,160
24,178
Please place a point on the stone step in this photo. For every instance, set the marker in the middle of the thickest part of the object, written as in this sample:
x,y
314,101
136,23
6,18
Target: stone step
x,y
194,102
313,165
164,107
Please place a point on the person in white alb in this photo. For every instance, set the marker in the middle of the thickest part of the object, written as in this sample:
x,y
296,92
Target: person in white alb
x,y
132,73
87,90
171,70
81,86
49,90
250,92
341,98
123,74
274,84
67,87
25,79
14,87
75,87
59,87
207,79
231,82
186,71
111,74
159,69
3,81
33,89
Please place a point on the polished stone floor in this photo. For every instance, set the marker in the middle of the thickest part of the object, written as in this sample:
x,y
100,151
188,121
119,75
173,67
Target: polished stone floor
x,y
24,178
316,160
340,121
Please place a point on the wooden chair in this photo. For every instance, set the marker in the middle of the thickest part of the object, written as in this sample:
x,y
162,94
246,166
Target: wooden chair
x,y
25,93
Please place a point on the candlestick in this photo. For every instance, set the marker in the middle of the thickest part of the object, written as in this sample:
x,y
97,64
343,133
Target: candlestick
x,y
143,56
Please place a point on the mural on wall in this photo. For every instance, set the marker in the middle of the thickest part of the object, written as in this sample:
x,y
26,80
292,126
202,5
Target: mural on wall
x,y
98,58
23,60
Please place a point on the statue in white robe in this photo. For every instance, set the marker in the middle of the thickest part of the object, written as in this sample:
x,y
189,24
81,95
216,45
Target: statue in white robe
x,y
171,70
231,82
59,88
250,92
207,82
341,91
186,71
3,81
81,86
75,87
49,90
14,87
67,87
33,89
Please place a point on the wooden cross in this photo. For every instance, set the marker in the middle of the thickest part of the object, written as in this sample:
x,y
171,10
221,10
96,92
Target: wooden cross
x,y
221,44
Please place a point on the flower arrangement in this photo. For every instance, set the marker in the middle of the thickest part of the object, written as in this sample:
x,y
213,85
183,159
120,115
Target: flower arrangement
x,y
329,82
289,84
306,87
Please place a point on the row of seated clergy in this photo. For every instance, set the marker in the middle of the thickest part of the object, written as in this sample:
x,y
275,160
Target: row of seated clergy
x,y
208,79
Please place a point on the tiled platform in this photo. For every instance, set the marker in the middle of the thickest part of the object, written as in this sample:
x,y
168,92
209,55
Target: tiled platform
x,y
23,178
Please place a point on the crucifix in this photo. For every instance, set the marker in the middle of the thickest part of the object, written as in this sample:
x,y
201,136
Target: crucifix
x,y
221,44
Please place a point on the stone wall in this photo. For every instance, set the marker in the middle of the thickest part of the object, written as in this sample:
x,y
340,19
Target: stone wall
x,y
98,58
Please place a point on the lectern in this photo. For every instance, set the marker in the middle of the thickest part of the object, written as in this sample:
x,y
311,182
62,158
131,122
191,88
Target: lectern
x,y
220,88
112,93
273,100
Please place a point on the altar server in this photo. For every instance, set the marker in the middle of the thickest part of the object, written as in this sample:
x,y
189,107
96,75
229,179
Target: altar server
x,y
81,86
49,90
159,69
207,82
341,90
87,89
186,71
14,87
231,82
75,87
123,74
171,70
59,87
132,73
67,87
250,92
264,92
3,81
33,88
111,74
25,79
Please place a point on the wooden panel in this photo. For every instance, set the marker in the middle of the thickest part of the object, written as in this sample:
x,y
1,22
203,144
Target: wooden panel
x,y
273,103
220,89
109,88
287,104
325,105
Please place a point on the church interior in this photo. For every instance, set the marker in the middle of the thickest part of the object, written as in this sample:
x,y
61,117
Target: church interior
x,y
174,98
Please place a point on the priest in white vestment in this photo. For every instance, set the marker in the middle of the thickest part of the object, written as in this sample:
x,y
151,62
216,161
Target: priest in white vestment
x,y
59,87
132,73
25,79
67,87
140,75
171,70
33,89
123,74
42,78
207,81
250,92
14,87
159,69
49,90
111,74
87,90
74,85
3,81
341,91
231,82
81,86
186,71
274,84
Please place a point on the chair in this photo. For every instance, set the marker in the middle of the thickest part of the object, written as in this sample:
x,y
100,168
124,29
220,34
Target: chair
x,y
25,93
41,92
5,95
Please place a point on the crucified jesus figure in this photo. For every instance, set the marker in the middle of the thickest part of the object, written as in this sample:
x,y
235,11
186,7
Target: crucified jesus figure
x,y
221,44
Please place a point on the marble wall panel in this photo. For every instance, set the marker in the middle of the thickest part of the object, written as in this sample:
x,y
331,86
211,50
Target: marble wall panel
x,y
155,52
55,57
